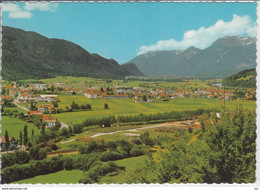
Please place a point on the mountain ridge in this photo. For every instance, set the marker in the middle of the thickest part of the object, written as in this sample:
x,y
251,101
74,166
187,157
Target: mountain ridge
x,y
29,55
225,56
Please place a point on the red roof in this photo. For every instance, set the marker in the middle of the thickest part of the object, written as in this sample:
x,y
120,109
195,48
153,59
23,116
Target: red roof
x,y
10,139
9,87
6,97
35,112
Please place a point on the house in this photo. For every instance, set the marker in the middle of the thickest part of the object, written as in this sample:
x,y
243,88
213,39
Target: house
x,y
91,95
46,108
149,100
48,98
138,96
13,143
49,120
174,96
35,113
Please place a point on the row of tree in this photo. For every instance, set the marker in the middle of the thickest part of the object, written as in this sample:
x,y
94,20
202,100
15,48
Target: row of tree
x,y
140,118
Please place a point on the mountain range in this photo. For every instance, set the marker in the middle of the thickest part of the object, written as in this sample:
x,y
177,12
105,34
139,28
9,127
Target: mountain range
x,y
29,55
225,57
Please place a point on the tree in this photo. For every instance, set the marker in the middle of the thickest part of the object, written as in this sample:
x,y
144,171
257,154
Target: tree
x,y
57,126
34,152
7,142
21,138
64,132
25,135
144,98
105,105
70,130
55,104
43,135
32,106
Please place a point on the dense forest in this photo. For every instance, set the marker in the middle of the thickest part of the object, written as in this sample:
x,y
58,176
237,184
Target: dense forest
x,y
246,78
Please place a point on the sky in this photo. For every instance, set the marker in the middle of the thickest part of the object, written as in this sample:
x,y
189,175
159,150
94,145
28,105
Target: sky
x,y
124,30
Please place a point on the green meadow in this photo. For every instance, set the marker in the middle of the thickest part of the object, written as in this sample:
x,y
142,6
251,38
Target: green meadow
x,y
130,165
88,81
63,176
14,126
129,107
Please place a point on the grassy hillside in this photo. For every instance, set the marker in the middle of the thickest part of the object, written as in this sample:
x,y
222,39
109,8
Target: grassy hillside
x,y
246,78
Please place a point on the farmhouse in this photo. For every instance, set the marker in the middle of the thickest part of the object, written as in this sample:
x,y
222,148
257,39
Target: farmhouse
x,y
91,95
49,120
13,144
45,108
35,113
48,98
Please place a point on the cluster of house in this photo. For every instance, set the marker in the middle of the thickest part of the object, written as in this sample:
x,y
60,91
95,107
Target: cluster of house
x,y
48,119
25,94
13,144
138,94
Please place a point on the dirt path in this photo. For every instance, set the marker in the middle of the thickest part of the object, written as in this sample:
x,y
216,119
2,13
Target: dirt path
x,y
63,153
141,128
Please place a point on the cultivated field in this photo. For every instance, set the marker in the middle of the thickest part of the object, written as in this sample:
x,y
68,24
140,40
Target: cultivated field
x,y
14,126
129,107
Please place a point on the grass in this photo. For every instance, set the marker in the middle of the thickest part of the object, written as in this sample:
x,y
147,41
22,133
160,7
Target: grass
x,y
129,107
130,165
15,108
63,176
14,126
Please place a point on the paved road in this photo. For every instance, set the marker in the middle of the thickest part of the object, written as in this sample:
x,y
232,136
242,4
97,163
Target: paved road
x,y
16,103
63,125
26,109
136,129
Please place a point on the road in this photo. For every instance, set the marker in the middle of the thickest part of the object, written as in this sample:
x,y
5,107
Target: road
x,y
26,109
16,103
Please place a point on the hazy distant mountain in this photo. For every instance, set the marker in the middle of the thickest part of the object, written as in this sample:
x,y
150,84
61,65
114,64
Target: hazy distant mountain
x,y
30,55
226,56
132,69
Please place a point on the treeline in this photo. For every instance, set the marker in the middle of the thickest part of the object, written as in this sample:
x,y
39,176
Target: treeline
x,y
247,83
22,157
74,106
140,118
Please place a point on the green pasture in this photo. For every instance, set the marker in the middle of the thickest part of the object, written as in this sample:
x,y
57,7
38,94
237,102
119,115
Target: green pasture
x,y
129,107
130,165
64,176
15,108
88,81
14,126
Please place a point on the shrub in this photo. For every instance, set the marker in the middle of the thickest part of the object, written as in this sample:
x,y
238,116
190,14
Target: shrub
x,y
34,152
110,155
68,163
8,160
136,152
22,157
42,154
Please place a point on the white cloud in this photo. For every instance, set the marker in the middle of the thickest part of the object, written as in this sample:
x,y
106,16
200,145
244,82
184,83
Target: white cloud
x,y
16,11
21,14
204,37
44,6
